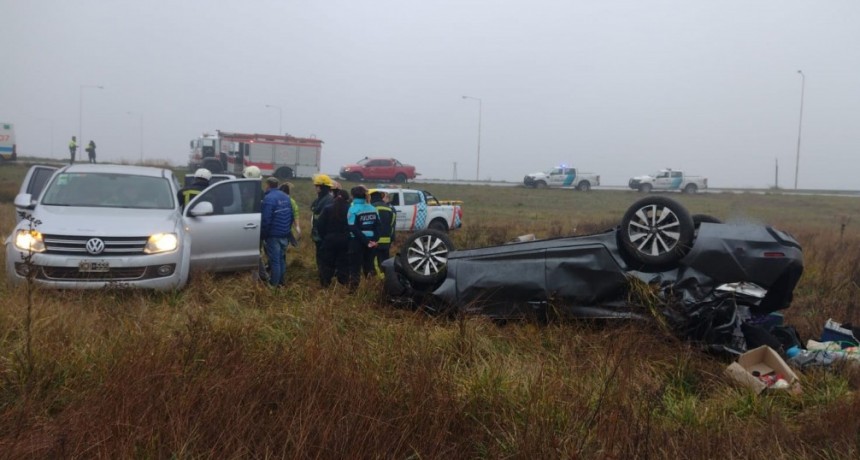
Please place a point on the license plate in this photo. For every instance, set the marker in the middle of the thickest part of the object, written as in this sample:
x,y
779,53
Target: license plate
x,y
93,266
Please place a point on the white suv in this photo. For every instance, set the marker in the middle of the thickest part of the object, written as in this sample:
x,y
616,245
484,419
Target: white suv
x,y
97,225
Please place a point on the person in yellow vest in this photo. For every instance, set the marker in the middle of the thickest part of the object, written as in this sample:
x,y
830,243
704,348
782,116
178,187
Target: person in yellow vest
x,y
388,221
73,147
201,181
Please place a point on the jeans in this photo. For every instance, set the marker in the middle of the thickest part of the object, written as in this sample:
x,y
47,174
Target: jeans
x,y
276,250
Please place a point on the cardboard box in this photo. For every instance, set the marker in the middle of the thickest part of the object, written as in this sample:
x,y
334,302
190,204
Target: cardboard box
x,y
762,360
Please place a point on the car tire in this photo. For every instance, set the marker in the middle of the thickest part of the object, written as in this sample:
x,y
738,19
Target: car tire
x,y
691,188
645,188
657,231
400,178
584,186
540,184
699,219
357,177
439,225
424,256
284,173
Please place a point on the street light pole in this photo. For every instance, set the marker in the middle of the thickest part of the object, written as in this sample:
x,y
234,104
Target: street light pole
x,y
81,110
799,126
140,115
480,113
280,117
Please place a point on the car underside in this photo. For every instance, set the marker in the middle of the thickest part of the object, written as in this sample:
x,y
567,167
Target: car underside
x,y
694,271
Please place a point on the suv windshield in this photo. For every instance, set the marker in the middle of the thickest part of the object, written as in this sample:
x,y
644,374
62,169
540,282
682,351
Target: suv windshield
x,y
109,190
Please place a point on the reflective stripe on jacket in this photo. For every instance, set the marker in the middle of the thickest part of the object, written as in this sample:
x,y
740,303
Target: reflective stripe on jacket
x,y
387,222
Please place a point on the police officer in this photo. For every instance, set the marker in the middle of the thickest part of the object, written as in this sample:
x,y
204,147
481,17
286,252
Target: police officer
x,y
73,147
387,223
363,222
201,181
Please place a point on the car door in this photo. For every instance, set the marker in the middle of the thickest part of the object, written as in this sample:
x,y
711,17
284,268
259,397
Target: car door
x,y
555,177
34,182
229,238
662,181
404,213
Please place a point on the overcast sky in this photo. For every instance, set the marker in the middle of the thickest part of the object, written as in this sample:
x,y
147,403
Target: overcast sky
x,y
615,87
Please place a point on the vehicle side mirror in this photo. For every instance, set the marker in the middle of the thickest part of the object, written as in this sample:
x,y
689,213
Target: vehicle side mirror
x,y
204,208
24,200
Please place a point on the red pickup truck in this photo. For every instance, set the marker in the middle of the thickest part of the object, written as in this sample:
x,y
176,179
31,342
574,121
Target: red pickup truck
x,y
387,169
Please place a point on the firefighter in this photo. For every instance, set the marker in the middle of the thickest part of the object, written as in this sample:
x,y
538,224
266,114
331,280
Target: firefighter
x,y
335,234
201,181
323,200
252,172
387,222
363,222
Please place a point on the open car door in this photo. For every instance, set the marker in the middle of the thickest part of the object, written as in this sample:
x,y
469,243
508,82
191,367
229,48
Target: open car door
x,y
34,182
226,235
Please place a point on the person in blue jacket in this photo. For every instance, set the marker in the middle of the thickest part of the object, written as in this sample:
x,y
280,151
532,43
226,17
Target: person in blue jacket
x,y
276,221
364,228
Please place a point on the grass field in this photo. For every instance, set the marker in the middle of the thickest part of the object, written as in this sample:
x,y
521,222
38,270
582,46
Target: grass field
x,y
228,368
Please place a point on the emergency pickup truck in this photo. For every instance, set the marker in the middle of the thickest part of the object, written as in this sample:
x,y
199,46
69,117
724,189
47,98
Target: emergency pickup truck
x,y
668,179
562,177
419,210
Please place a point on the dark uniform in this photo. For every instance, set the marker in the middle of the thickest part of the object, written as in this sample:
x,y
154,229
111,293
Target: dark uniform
x,y
387,223
187,193
363,221
91,151
324,200
332,228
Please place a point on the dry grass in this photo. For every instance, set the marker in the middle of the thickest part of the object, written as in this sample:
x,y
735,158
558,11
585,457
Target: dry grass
x,y
231,369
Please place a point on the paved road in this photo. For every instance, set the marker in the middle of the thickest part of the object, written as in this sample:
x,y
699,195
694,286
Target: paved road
x,y
623,188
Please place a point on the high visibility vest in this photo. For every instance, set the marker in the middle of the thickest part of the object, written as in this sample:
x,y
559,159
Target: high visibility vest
x,y
188,195
73,145
388,219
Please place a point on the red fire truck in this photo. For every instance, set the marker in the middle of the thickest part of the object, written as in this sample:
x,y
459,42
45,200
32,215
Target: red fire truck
x,y
284,157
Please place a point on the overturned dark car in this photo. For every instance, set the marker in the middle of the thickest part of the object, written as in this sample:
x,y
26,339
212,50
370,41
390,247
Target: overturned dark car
x,y
704,277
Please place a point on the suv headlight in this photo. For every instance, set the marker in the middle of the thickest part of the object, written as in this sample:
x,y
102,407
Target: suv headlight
x,y
161,242
29,240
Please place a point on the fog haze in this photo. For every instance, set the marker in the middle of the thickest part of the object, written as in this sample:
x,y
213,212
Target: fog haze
x,y
619,88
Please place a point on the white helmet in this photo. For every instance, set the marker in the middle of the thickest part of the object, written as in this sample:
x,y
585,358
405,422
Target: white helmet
x,y
252,172
203,173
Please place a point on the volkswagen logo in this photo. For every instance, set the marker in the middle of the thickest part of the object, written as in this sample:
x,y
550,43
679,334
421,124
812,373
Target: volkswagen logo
x,y
95,246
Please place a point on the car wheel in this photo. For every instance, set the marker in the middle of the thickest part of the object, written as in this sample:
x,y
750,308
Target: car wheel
x,y
657,231
424,256
584,186
691,188
540,184
439,225
699,219
645,188
357,177
284,173
400,178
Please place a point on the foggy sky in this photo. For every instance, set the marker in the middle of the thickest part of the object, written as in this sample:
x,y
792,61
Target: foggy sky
x,y
615,87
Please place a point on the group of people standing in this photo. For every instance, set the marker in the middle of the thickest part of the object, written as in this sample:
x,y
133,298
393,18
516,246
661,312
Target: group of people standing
x,y
352,231
73,148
